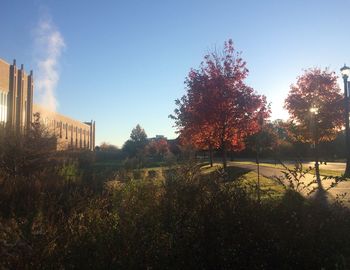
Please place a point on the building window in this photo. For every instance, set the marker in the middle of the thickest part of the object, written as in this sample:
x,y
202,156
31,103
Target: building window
x,y
3,107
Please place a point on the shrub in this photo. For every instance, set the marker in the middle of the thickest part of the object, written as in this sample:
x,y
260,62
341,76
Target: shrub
x,y
185,222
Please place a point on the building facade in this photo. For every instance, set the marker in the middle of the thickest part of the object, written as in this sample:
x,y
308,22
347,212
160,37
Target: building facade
x,y
17,110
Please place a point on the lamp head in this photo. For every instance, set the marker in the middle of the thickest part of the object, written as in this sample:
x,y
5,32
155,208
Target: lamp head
x,y
314,110
345,71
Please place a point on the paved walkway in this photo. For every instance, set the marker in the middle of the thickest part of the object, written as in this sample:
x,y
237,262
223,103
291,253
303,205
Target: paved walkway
x,y
334,166
341,190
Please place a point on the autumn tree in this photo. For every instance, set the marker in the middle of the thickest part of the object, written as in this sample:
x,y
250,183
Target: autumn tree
x,y
219,110
315,106
157,149
201,138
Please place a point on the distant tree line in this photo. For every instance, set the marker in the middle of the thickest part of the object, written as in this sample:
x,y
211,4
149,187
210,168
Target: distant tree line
x,y
140,151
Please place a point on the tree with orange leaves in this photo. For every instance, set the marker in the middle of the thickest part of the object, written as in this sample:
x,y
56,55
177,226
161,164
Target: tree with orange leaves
x,y
219,109
201,137
157,149
315,106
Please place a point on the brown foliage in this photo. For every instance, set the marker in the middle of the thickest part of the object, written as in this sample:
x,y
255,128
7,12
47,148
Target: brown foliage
x,y
316,89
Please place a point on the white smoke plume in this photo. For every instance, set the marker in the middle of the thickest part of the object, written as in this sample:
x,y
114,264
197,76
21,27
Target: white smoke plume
x,y
49,44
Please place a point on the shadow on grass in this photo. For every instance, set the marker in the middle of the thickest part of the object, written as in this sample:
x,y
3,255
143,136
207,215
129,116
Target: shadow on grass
x,y
322,197
230,174
236,172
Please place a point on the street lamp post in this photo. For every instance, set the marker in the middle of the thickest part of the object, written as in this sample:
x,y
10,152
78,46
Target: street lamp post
x,y
345,71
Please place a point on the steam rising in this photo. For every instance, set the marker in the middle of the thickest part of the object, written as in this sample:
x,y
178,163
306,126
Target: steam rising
x,y
49,45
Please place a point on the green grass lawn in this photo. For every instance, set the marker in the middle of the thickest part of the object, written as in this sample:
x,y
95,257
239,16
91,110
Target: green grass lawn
x,y
323,172
270,189
271,165
206,169
249,179
109,163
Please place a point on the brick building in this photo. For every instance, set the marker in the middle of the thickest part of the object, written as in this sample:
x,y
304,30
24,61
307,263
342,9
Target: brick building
x,y
17,109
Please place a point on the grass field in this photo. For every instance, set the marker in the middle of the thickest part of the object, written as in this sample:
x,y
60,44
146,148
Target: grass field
x,y
269,188
323,172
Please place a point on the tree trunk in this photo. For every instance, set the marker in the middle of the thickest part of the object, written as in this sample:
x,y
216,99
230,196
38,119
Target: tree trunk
x,y
317,167
317,172
211,155
224,147
224,155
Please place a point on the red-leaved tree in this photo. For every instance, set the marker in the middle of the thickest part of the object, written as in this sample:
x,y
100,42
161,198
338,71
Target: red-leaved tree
x,y
315,106
219,110
157,149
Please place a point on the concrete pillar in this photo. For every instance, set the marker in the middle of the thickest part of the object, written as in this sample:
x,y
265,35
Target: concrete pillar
x,y
84,139
20,99
90,141
11,107
76,136
71,136
30,90
93,141
80,138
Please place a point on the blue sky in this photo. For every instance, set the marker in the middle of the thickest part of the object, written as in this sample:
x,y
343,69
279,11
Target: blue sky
x,y
124,62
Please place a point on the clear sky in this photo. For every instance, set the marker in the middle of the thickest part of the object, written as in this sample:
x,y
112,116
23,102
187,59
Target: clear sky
x,y
124,62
